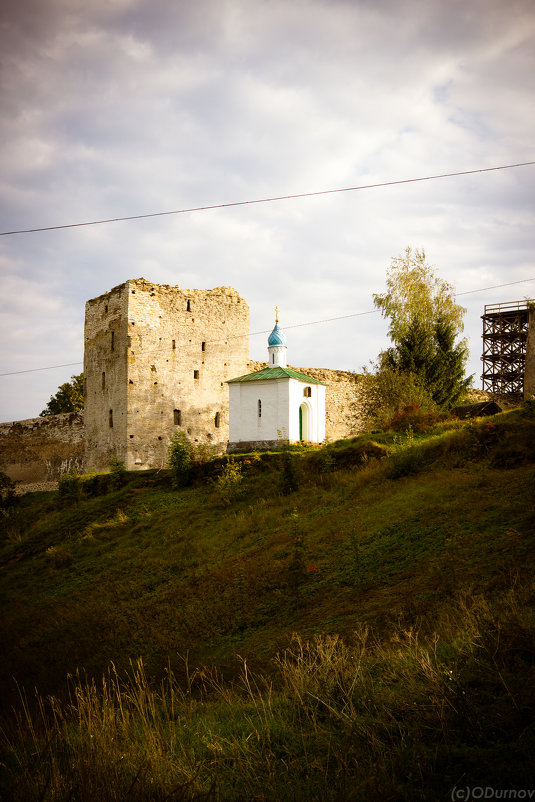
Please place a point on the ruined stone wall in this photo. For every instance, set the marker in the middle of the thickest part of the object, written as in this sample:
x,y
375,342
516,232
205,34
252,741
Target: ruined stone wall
x,y
40,449
344,400
173,351
105,377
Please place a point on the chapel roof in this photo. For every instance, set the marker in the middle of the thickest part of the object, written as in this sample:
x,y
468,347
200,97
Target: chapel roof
x,y
277,372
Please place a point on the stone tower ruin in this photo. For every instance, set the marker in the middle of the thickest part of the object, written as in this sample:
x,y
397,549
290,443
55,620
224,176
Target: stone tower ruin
x,y
156,360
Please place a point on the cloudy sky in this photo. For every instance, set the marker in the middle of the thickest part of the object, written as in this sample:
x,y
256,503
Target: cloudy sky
x,y
124,107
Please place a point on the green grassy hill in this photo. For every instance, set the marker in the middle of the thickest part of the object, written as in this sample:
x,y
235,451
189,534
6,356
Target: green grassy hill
x,y
418,551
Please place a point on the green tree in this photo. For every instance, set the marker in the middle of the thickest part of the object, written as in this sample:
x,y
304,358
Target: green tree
x,y
414,291
433,359
69,398
425,320
449,382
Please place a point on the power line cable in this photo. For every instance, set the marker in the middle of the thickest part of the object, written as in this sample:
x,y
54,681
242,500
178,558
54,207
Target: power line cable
x,y
34,370
265,200
291,326
359,314
495,287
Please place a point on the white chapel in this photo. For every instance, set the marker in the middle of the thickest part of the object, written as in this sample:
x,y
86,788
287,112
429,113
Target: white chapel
x,y
276,404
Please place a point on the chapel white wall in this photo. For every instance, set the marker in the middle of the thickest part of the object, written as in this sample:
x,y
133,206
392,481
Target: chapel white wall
x,y
316,406
281,399
245,425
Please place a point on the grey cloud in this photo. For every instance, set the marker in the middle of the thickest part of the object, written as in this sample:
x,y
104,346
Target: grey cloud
x,y
132,107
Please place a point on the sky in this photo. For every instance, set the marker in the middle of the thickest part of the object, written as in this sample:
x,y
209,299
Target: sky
x,y
117,108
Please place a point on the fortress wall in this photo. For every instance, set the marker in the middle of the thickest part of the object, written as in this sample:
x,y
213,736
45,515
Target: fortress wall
x,y
40,449
344,400
163,372
183,345
157,358
105,377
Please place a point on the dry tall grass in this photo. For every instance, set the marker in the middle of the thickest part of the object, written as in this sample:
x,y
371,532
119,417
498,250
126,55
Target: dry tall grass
x,y
361,718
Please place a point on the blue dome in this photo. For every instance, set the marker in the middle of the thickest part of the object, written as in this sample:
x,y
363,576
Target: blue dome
x,y
277,336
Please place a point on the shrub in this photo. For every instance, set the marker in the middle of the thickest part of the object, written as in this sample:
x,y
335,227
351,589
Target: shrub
x,y
202,453
91,484
69,487
289,480
412,417
406,462
180,459
229,482
327,461
389,391
117,474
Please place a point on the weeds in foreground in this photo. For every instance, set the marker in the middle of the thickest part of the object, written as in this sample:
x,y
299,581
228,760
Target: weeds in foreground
x,y
359,717
118,520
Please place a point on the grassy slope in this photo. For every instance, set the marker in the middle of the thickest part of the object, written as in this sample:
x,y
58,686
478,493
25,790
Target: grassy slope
x,y
148,571
430,552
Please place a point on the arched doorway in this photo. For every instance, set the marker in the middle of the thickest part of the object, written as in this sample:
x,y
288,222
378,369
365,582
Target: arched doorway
x,y
305,422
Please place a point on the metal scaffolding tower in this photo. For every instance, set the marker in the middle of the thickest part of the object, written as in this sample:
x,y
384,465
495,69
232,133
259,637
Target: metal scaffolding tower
x,y
505,331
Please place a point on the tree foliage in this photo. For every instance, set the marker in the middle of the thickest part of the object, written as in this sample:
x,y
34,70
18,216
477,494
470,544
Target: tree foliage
x,y
389,391
433,359
425,365
414,291
69,398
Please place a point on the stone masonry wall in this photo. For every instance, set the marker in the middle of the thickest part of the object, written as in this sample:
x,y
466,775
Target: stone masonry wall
x,y
183,345
40,449
174,349
105,377
344,397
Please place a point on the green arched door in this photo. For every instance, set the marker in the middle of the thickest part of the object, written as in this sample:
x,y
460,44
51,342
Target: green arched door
x,y
304,422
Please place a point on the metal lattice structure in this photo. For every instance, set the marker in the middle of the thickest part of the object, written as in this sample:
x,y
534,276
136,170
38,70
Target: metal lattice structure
x,y
505,332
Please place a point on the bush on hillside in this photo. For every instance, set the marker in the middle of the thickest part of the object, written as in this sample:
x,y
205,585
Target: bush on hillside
x,y
181,459
407,462
92,484
410,416
117,474
289,480
228,484
389,391
68,487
